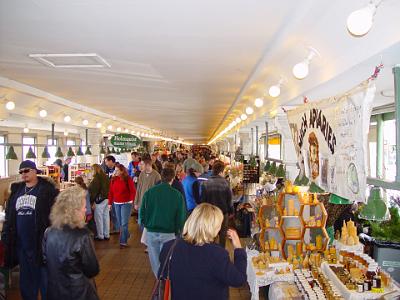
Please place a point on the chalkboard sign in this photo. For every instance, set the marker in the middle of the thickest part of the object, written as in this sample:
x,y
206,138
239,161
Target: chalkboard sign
x,y
251,171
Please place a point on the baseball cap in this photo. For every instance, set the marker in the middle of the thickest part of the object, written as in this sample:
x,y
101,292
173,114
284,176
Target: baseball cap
x,y
28,164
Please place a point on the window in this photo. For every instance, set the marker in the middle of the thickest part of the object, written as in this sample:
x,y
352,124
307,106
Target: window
x,y
3,162
71,142
52,147
384,125
28,141
274,146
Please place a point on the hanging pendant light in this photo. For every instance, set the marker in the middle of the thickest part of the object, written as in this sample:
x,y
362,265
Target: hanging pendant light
x,y
45,153
11,153
102,150
376,208
88,152
360,22
30,154
79,152
70,152
300,70
59,153
335,199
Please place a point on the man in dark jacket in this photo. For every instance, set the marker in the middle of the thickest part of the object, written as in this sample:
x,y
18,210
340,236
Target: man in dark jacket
x,y
27,217
216,191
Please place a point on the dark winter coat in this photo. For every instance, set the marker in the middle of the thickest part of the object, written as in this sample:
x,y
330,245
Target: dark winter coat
x,y
45,200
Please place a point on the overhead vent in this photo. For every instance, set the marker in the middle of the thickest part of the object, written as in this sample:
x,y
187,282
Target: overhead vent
x,y
71,60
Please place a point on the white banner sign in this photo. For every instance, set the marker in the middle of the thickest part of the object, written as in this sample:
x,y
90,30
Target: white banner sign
x,y
330,137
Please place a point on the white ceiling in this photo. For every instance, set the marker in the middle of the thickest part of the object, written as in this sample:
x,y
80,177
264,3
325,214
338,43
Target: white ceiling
x,y
183,66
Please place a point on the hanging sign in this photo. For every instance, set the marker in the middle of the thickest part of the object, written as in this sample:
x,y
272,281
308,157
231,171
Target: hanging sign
x,y
125,140
330,138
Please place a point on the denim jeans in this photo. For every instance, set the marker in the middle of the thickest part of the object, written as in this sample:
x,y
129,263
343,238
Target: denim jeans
x,y
114,220
155,242
102,219
122,213
32,277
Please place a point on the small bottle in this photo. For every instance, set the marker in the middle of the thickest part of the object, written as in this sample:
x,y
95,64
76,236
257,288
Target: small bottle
x,y
377,282
360,287
371,272
367,285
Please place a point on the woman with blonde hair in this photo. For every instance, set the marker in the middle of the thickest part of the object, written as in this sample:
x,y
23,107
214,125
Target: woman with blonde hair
x,y
68,251
98,190
198,267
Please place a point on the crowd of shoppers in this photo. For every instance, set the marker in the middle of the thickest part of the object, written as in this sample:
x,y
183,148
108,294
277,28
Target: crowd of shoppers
x,y
181,199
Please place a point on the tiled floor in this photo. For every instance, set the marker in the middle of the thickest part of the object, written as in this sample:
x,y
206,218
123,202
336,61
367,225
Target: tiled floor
x,y
126,273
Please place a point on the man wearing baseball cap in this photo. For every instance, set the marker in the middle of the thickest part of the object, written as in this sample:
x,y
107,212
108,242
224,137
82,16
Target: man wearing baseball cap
x,y
27,217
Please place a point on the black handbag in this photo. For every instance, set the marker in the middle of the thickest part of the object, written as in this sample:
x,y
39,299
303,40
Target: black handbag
x,y
162,287
99,199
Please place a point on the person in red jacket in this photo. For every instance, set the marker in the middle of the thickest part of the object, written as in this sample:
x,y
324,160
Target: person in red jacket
x,y
121,195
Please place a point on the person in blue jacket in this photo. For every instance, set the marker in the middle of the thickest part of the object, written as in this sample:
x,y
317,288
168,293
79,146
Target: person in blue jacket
x,y
199,269
193,172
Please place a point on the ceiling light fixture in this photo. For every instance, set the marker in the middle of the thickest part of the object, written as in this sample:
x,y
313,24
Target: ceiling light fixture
x,y
26,129
98,125
360,22
249,110
275,90
85,122
119,129
65,133
126,130
43,113
109,127
67,118
301,70
10,105
238,120
243,117
258,102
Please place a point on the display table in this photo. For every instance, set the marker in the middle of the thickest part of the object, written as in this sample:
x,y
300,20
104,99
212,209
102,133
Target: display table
x,y
347,294
256,281
339,246
284,291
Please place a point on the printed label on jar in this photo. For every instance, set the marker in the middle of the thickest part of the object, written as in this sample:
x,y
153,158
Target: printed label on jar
x,y
374,283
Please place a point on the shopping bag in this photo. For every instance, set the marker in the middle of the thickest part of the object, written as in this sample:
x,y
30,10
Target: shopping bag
x,y
143,239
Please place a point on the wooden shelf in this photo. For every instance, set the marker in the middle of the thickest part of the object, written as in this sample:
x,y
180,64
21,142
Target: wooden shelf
x,y
313,227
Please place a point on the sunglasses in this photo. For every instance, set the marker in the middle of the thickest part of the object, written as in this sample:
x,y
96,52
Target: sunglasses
x,y
24,171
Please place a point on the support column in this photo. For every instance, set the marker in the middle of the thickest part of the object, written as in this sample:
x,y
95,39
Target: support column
x,y
396,73
266,141
252,141
379,147
256,140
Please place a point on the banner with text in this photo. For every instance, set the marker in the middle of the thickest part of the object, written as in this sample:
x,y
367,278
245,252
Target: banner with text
x,y
330,137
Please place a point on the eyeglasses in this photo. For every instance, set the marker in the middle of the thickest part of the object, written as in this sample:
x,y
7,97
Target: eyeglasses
x,y
24,171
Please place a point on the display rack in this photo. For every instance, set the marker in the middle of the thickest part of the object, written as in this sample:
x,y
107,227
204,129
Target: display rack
x,y
81,169
294,227
51,171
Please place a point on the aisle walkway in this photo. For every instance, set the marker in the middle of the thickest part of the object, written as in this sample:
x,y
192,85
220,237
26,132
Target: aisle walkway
x,y
126,273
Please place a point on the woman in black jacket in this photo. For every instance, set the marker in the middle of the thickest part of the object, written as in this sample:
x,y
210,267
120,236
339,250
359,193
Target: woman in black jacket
x,y
199,268
68,251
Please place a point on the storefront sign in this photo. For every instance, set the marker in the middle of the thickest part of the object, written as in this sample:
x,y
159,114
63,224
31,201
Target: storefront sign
x,y
330,138
124,140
